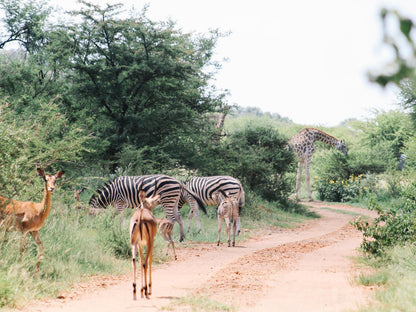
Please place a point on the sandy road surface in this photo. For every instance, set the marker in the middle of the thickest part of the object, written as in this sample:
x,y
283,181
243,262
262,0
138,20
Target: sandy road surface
x,y
304,269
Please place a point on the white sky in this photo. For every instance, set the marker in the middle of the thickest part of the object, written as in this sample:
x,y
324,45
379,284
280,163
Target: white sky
x,y
306,60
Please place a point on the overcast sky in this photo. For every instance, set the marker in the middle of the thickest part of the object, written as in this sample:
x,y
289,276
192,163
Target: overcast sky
x,y
305,60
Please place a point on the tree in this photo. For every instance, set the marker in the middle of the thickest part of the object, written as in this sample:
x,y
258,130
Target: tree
x,y
135,82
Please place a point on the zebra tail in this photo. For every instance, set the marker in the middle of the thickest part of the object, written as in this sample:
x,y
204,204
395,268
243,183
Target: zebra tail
x,y
198,200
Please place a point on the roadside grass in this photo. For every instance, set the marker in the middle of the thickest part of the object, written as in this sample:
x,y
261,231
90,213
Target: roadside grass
x,y
79,245
200,304
394,277
341,211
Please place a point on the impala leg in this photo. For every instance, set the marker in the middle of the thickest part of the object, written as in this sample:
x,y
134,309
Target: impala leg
x,y
149,264
22,245
142,273
173,246
35,235
133,262
178,218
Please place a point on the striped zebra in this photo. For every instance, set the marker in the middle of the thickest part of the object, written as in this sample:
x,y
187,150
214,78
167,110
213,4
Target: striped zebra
x,y
204,188
123,192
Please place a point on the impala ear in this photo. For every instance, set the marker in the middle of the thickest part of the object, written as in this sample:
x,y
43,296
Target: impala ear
x,y
41,173
142,196
60,174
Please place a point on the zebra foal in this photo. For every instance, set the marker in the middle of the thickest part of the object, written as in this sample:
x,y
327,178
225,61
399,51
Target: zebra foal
x,y
227,210
123,192
205,188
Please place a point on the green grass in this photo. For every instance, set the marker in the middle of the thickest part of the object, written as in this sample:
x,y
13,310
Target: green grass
x,y
394,277
341,211
201,304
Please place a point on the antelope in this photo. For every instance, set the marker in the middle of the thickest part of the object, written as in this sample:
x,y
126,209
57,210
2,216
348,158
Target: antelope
x,y
228,210
165,229
27,216
143,229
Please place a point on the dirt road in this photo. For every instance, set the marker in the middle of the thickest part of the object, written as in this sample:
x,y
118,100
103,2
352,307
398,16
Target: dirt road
x,y
304,269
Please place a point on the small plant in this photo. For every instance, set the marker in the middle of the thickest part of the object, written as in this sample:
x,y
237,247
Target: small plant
x,y
392,227
340,190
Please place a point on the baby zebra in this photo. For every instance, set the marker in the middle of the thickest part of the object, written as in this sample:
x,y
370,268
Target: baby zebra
x,y
165,229
228,210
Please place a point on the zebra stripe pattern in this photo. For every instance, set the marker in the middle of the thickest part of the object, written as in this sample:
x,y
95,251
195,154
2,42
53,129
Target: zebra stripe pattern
x,y
123,192
205,187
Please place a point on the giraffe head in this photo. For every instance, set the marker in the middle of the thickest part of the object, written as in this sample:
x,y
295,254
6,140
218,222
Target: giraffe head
x,y
342,147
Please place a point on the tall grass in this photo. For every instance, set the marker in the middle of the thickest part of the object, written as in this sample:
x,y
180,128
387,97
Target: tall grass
x,y
396,275
73,250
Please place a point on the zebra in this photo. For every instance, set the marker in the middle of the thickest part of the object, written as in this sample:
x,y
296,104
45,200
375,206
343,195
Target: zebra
x,y
204,188
123,192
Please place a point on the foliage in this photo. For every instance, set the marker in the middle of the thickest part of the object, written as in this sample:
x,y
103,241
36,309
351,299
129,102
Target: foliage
x,y
259,157
45,139
393,226
386,134
401,42
340,190
131,74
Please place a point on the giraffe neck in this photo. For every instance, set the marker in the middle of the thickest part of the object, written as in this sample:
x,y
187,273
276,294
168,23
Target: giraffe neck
x,y
325,138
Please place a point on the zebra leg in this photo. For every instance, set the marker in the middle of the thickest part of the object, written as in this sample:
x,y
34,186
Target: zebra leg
x,y
234,230
228,224
190,216
219,229
194,212
197,219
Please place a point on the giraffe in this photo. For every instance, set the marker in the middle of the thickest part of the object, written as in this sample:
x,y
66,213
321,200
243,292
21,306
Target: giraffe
x,y
303,145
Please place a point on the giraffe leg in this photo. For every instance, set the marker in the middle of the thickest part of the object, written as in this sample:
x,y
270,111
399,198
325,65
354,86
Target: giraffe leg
x,y
300,164
308,181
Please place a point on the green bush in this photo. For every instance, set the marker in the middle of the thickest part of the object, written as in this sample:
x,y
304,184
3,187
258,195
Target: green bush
x,y
340,190
393,226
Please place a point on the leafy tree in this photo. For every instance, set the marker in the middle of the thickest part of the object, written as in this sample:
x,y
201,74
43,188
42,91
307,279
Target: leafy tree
x,y
136,83
24,23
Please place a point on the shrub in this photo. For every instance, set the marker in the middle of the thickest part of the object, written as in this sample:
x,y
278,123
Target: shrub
x,y
393,226
340,190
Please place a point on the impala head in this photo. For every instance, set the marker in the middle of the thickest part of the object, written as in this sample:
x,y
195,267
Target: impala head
x,y
342,147
148,202
50,180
